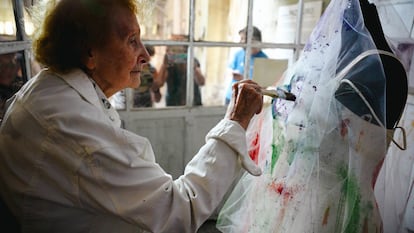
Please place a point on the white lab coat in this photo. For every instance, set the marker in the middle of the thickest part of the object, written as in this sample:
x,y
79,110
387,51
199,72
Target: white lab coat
x,y
67,166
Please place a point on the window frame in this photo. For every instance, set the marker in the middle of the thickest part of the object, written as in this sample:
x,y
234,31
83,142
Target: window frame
x,y
23,45
191,44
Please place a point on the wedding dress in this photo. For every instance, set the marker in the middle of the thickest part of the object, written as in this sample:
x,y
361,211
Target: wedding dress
x,y
321,154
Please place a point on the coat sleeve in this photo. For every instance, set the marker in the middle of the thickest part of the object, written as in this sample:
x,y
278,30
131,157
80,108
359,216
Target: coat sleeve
x,y
124,180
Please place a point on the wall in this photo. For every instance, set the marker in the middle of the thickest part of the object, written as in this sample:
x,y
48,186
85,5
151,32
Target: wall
x,y
175,134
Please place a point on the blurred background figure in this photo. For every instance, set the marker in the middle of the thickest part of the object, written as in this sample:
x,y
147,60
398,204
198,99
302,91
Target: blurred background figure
x,y
237,64
10,77
149,91
173,71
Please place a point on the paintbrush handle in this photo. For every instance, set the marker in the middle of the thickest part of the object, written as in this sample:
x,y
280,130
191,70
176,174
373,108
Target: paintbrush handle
x,y
279,94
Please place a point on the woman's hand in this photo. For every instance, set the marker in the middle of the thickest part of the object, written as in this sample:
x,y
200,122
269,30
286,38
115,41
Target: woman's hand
x,y
247,100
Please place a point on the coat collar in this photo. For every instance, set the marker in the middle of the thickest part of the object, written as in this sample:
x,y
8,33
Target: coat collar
x,y
85,86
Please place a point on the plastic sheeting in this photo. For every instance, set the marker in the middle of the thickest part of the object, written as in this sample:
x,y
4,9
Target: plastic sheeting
x,y
321,154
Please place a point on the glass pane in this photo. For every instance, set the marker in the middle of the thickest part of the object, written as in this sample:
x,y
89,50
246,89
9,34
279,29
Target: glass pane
x,y
164,81
7,23
211,77
217,20
28,24
168,17
312,11
11,77
173,74
217,74
268,17
278,19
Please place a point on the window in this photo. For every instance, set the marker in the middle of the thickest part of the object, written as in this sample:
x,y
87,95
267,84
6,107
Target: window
x,y
197,40
15,54
205,34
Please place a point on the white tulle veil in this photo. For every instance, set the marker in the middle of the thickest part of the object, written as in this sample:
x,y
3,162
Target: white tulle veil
x,y
320,154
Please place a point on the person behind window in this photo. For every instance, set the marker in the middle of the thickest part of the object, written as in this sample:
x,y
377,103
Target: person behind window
x,y
10,77
148,92
173,71
237,63
66,165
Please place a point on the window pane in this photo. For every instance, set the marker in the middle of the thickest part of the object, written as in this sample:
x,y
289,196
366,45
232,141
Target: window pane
x,y
167,74
175,64
211,77
215,21
268,18
168,17
312,11
215,65
7,23
28,24
278,19
218,20
163,82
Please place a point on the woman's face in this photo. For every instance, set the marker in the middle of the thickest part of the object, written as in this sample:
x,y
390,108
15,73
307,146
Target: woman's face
x,y
119,63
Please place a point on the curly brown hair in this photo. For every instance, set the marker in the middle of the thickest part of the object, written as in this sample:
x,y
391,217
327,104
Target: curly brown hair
x,y
72,27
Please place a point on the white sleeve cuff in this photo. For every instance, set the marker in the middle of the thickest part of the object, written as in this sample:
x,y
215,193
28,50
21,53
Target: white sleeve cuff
x,y
234,136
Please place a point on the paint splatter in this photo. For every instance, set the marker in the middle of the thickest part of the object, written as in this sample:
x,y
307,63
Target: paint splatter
x,y
275,157
325,216
255,148
344,127
359,144
349,202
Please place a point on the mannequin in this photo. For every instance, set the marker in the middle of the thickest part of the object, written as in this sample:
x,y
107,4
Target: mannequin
x,y
396,79
320,155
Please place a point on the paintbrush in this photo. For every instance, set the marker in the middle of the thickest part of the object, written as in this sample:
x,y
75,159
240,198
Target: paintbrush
x,y
278,93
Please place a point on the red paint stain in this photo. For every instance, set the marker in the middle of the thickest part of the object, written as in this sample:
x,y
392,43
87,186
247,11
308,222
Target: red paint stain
x,y
255,148
325,216
286,192
365,226
277,187
359,143
344,127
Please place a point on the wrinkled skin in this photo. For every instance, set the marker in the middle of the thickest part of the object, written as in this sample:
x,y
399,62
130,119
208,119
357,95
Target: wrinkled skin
x,y
247,100
119,63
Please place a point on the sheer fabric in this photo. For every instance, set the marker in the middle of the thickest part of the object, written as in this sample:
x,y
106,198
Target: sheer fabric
x,y
321,154
395,186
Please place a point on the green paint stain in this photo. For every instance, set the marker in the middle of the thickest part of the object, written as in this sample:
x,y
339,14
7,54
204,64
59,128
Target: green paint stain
x,y
275,157
351,200
291,151
277,145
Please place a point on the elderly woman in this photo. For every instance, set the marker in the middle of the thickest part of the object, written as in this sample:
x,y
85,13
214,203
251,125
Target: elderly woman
x,y
66,165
